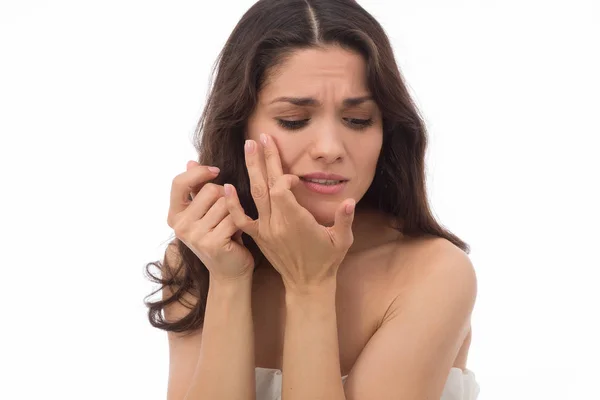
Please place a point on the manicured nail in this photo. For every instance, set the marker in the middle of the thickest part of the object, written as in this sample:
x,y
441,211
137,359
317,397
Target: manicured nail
x,y
227,189
250,146
214,169
263,139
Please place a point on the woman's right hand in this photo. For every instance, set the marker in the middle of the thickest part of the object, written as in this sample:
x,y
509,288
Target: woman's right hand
x,y
205,226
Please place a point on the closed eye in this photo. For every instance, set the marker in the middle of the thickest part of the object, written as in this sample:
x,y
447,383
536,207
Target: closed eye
x,y
359,123
292,125
354,123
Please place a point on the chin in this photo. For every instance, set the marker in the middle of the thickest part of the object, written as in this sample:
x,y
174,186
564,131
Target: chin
x,y
323,211
325,219
323,208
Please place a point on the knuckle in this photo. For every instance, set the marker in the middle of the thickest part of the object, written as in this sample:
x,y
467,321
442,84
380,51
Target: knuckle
x,y
272,181
177,181
181,229
212,190
258,191
268,153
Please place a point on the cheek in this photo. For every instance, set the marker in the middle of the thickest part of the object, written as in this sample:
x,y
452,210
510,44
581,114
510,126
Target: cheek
x,y
367,153
288,150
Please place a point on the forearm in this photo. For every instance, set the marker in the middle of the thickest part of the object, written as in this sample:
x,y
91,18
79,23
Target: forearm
x,y
225,368
311,366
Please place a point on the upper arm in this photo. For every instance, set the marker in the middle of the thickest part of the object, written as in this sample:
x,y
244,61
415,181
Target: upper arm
x,y
411,354
183,350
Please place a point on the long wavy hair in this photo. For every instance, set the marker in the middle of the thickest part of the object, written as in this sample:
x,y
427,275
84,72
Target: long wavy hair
x,y
266,34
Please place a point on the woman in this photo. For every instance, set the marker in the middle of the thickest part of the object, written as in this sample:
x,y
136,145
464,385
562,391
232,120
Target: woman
x,y
306,263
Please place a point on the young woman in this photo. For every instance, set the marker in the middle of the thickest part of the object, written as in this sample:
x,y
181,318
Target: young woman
x,y
307,263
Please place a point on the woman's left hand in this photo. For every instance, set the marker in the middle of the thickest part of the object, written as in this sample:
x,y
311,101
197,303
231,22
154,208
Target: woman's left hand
x,y
305,253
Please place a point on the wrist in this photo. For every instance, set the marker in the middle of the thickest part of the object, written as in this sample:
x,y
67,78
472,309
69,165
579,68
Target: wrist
x,y
230,285
321,293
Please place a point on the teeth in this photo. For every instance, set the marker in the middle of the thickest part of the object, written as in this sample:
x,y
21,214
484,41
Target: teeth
x,y
323,181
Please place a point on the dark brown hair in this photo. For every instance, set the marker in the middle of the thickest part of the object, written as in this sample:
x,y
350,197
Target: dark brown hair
x,y
267,33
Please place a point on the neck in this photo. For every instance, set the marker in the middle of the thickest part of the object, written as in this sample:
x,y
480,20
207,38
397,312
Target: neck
x,y
372,228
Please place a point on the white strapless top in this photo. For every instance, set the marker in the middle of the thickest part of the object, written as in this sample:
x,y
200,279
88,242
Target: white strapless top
x,y
460,385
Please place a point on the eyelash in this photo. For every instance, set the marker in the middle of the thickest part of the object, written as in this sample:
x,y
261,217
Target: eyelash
x,y
358,124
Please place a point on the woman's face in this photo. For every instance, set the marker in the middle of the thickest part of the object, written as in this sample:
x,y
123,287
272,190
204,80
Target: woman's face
x,y
317,108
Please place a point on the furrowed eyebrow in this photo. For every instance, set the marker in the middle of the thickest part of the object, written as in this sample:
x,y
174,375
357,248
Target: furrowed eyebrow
x,y
309,101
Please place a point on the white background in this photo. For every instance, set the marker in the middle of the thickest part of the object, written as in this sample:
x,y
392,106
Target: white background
x,y
98,103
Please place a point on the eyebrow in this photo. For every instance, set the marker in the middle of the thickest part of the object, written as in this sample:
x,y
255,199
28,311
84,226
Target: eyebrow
x,y
309,101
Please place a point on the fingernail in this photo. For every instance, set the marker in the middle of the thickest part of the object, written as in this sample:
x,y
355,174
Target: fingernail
x,y
227,189
249,146
214,169
263,139
350,207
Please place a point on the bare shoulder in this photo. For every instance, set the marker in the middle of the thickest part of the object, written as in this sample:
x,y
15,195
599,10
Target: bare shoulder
x,y
428,268
423,269
425,329
402,266
431,270
416,261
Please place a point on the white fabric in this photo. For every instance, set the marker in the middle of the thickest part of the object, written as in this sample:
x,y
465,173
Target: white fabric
x,y
460,385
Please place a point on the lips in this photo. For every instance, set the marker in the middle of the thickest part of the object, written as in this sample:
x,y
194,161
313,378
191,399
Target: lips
x,y
323,176
324,183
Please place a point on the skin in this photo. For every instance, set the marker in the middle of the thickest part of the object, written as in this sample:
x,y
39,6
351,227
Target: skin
x,y
326,143
333,141
401,304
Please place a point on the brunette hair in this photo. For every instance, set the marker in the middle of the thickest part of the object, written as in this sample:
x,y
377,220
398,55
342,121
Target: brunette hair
x,y
266,34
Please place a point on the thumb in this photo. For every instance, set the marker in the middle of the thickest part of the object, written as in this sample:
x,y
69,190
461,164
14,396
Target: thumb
x,y
238,216
294,181
344,216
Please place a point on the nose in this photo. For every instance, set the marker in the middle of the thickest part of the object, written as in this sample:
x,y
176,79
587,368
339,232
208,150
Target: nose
x,y
328,145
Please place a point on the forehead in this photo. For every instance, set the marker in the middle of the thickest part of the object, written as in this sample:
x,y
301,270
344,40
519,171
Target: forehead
x,y
317,72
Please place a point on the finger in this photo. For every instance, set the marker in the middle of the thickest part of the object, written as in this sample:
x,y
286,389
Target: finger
x,y
191,164
217,212
272,159
282,198
203,202
227,229
342,226
258,184
239,217
237,237
183,184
